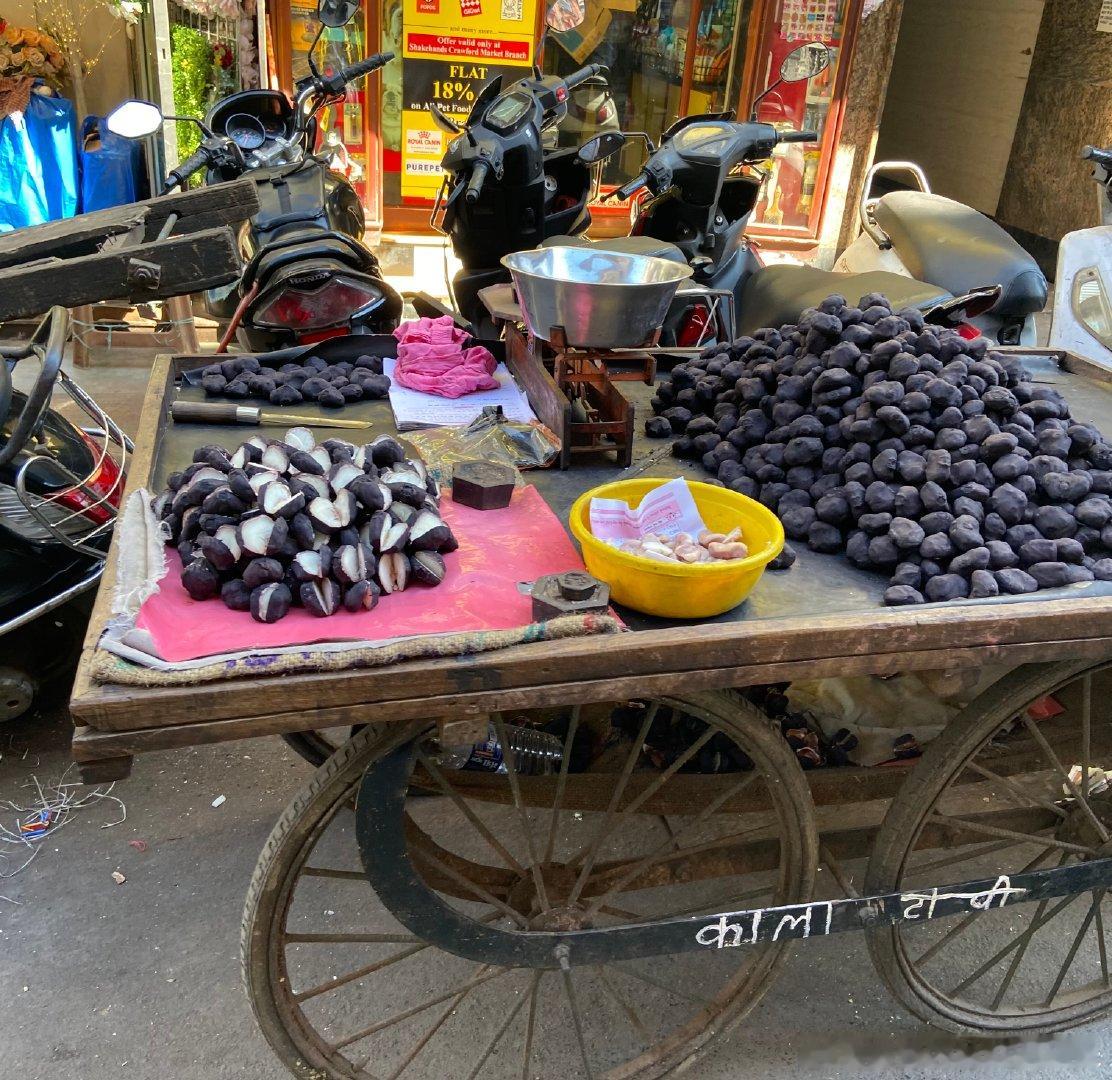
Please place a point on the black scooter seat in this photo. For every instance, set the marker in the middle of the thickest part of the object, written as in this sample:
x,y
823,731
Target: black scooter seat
x,y
623,245
960,249
777,294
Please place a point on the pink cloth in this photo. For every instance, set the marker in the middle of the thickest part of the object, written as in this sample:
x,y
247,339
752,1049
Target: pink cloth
x,y
497,550
432,360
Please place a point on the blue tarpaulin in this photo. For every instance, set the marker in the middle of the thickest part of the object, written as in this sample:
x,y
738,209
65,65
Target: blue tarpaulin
x,y
38,163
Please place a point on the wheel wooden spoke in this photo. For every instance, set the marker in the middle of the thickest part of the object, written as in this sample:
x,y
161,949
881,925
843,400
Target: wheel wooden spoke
x,y
498,1035
1086,729
669,830
440,1021
657,854
649,791
576,1019
588,855
359,973
353,939
1102,948
1081,797
1017,943
472,887
1019,792
476,822
837,871
983,848
561,783
530,1022
951,934
1008,834
641,799
1013,967
1082,930
960,927
515,789
381,1025
685,995
624,1006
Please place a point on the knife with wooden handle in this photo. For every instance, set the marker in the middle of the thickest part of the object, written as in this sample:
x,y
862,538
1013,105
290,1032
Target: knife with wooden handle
x,y
212,412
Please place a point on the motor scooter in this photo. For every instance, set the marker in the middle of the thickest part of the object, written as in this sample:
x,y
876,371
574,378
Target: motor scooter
x,y
60,488
507,185
307,273
1082,319
924,236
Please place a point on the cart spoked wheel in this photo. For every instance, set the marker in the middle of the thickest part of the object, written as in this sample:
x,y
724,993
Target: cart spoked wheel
x,y
1013,784
518,925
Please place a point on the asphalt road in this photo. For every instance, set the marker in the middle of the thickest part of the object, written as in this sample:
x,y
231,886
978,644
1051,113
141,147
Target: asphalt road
x,y
100,980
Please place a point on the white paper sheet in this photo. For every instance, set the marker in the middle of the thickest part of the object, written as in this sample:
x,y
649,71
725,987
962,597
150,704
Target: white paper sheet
x,y
665,511
415,410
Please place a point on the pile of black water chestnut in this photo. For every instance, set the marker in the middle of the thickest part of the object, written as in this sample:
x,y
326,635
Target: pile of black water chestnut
x,y
917,452
281,523
314,379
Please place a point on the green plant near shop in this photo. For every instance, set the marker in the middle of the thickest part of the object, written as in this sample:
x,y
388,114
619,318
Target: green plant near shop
x,y
191,61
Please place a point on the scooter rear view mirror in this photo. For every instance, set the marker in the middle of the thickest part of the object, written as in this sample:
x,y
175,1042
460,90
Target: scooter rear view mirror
x,y
134,119
600,147
805,62
335,13
442,121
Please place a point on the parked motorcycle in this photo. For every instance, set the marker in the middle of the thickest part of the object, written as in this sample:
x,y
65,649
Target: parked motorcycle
x,y
920,235
1082,320
60,487
307,274
504,191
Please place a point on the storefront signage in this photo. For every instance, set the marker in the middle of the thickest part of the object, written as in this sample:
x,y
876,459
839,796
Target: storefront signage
x,y
451,49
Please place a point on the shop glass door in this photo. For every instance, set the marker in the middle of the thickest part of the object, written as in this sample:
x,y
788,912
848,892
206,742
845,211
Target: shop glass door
x,y
791,200
666,59
448,51
342,127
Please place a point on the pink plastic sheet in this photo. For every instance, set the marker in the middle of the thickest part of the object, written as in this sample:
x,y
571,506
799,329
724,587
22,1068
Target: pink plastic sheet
x,y
498,549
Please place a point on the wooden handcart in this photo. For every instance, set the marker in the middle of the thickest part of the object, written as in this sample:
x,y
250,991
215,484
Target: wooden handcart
x,y
615,917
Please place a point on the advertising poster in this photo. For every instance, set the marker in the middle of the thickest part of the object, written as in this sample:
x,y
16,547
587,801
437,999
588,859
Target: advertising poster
x,y
451,50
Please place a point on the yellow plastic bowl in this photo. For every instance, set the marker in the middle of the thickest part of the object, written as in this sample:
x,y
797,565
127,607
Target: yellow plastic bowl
x,y
682,591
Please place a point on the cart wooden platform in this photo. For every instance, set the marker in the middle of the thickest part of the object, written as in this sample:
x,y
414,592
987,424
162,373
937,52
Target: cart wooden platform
x,y
614,918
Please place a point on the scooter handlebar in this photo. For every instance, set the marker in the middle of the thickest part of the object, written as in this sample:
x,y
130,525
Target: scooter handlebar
x,y
475,185
632,187
365,67
799,136
196,161
583,74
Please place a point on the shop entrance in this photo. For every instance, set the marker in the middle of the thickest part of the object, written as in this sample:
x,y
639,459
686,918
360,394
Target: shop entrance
x,y
667,59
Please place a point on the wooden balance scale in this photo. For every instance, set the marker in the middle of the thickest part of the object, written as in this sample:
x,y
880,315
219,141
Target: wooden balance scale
x,y
579,398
